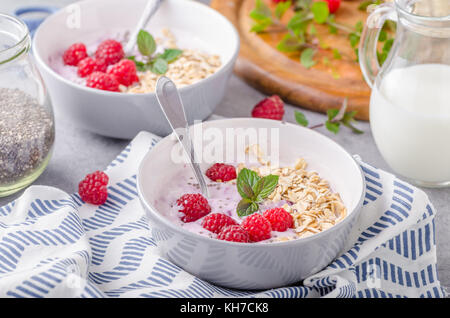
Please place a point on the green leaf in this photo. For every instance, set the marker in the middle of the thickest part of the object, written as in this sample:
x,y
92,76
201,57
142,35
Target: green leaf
x,y
320,11
281,8
312,29
359,26
159,66
331,126
336,54
383,36
354,39
265,186
301,119
289,43
145,42
246,207
332,113
387,45
306,58
246,181
299,23
261,25
262,8
258,16
171,55
353,128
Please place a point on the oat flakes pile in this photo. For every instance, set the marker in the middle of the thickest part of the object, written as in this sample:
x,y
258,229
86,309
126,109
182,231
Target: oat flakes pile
x,y
191,67
315,206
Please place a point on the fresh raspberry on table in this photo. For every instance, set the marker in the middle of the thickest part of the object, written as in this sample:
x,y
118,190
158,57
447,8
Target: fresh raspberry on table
x,y
279,219
333,5
125,72
92,189
271,107
215,222
110,51
257,226
193,206
74,54
99,80
233,233
221,172
89,65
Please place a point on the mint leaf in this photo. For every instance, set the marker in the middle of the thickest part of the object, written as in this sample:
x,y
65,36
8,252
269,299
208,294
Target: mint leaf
x,y
289,43
159,66
246,181
336,54
306,58
262,8
145,42
331,126
261,26
171,55
320,11
301,119
332,113
246,207
265,186
281,8
299,23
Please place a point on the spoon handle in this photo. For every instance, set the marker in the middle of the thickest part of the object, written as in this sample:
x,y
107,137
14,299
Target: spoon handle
x,y
171,105
149,11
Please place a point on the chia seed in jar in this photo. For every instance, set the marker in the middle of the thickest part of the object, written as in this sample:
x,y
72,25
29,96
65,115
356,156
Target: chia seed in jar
x,y
26,135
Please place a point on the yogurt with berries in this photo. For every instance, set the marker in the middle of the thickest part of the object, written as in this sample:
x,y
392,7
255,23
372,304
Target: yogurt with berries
x,y
253,204
185,206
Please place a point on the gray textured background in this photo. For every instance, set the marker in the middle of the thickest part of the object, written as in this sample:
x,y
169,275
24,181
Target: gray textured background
x,y
78,152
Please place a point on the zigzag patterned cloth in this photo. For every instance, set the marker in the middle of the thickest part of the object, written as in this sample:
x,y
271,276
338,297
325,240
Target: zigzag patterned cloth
x,y
54,245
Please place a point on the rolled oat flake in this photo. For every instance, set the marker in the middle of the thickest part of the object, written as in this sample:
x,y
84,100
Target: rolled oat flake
x,y
26,135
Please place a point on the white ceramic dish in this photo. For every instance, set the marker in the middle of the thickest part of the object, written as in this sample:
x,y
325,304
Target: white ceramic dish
x,y
256,265
123,115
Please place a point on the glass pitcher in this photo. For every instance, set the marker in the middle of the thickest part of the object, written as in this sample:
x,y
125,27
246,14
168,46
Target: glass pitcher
x,y
27,130
410,101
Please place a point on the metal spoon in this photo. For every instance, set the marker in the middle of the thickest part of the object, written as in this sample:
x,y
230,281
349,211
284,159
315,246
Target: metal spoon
x,y
170,102
149,11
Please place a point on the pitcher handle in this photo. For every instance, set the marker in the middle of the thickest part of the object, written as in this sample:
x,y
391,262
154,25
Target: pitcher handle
x,y
368,59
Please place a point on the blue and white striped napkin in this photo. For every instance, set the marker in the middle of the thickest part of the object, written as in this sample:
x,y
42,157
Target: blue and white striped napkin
x,y
52,244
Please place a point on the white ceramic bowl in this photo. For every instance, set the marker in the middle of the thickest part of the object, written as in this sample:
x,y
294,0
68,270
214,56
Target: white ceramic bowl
x,y
123,115
255,265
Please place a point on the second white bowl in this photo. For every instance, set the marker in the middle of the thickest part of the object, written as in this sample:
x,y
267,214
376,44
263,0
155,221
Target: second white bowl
x,y
123,115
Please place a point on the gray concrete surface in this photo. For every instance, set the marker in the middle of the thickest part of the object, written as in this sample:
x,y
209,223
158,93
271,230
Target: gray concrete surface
x,y
78,152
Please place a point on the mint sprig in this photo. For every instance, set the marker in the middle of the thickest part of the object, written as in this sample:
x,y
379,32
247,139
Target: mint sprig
x,y
156,63
335,118
253,190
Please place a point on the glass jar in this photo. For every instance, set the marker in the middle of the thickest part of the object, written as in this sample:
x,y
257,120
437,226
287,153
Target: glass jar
x,y
410,101
27,130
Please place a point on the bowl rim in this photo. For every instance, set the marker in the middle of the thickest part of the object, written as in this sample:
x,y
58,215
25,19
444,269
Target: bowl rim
x,y
219,72
160,218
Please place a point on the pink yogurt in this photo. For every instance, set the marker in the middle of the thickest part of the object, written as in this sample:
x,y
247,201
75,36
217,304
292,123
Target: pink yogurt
x,y
223,198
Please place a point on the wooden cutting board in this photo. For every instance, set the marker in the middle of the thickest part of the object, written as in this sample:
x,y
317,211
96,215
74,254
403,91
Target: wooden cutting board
x,y
319,88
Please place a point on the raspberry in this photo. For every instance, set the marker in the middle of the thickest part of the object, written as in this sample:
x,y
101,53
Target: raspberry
x,y
279,219
333,5
257,226
110,51
278,1
74,54
88,65
233,233
221,172
194,206
92,189
102,81
215,222
270,107
125,72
